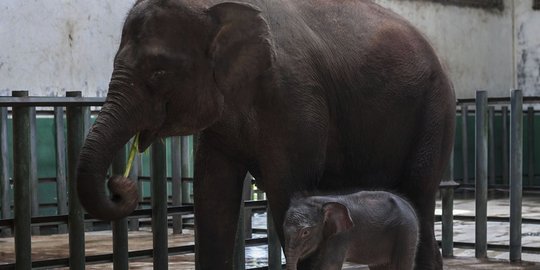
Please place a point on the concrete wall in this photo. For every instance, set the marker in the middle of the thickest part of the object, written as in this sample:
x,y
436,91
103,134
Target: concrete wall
x,y
527,47
52,46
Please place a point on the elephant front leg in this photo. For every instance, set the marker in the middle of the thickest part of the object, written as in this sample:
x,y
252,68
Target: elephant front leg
x,y
218,194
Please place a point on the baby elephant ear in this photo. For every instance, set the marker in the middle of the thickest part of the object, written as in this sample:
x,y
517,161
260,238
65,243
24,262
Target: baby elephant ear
x,y
337,218
241,48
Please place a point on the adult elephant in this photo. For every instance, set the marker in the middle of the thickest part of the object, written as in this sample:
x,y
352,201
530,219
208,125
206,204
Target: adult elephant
x,y
328,95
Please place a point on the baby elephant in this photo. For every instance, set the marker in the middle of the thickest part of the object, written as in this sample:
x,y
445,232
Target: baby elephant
x,y
376,228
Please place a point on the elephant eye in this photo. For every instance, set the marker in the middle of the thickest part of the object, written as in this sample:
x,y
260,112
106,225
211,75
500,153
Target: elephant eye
x,y
157,75
305,233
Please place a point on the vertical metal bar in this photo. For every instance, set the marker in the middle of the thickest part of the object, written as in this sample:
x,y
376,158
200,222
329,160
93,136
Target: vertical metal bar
x,y
239,262
530,144
60,145
134,176
120,227
447,194
176,170
491,145
516,173
159,204
481,174
21,183
33,169
247,211
464,142
4,169
274,246
187,169
75,135
505,145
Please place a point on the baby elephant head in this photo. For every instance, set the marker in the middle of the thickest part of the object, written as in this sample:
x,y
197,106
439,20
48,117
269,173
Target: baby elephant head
x,y
308,225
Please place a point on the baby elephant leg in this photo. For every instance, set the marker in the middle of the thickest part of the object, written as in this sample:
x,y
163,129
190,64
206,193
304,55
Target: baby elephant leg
x,y
404,253
332,255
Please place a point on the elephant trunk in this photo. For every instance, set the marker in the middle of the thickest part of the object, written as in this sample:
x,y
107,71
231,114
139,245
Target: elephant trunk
x,y
292,259
114,126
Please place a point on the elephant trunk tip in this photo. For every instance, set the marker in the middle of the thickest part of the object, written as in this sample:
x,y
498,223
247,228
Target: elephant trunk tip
x,y
123,199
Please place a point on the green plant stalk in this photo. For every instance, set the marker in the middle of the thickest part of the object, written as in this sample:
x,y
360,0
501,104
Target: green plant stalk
x,y
132,153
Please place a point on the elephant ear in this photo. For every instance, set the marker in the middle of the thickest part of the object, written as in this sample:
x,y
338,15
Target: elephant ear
x,y
337,219
241,50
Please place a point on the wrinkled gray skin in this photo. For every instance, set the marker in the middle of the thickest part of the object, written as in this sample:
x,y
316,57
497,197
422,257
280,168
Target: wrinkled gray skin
x,y
376,228
305,95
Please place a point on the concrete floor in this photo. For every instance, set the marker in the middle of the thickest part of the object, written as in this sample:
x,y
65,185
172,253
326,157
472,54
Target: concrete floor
x,y
56,246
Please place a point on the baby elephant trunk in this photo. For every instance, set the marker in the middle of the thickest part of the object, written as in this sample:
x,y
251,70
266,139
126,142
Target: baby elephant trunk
x,y
292,259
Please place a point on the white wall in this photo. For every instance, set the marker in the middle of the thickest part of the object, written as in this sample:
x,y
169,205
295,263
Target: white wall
x,y
527,47
52,46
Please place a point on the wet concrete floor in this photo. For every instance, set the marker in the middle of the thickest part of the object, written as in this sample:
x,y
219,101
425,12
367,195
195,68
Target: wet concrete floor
x,y
56,246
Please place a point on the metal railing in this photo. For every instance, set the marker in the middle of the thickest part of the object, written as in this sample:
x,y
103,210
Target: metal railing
x,y
484,174
26,222
77,116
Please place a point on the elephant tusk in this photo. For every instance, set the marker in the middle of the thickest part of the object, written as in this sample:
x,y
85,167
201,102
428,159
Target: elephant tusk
x,y
132,152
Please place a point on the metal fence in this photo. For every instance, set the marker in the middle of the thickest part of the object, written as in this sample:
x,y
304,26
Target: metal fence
x,y
512,156
72,219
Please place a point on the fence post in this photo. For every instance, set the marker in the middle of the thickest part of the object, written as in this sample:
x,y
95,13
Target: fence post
x,y
516,173
4,167
491,146
120,227
33,168
60,145
530,144
176,171
187,169
274,246
239,262
134,176
447,193
464,142
504,136
481,175
75,135
248,230
21,183
159,204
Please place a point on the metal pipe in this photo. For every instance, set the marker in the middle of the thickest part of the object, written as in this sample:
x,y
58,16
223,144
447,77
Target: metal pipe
x,y
120,227
274,246
33,168
464,142
75,139
176,171
187,169
481,175
21,183
4,167
516,173
134,223
505,145
447,194
247,211
239,257
491,145
159,204
530,145
60,147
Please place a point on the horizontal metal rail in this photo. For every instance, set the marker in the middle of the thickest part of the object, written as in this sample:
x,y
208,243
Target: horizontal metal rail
x,y
51,101
136,254
498,100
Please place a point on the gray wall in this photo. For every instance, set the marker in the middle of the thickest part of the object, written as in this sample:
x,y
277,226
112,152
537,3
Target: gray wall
x,y
52,46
